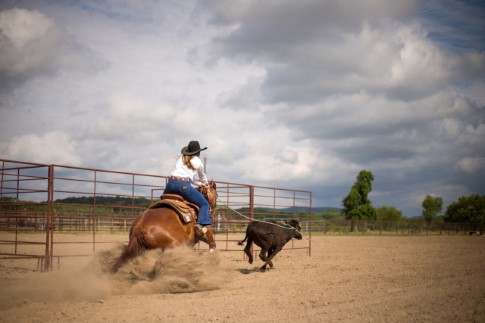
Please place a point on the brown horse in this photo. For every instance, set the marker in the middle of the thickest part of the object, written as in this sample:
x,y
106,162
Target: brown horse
x,y
163,228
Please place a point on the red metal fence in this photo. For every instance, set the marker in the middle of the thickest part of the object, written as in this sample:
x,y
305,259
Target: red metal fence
x,y
57,199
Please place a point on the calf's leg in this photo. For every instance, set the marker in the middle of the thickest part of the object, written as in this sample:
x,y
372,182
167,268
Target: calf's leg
x,y
270,263
262,254
270,257
247,250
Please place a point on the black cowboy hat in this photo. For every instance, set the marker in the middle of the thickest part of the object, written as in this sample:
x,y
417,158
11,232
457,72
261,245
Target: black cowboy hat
x,y
192,149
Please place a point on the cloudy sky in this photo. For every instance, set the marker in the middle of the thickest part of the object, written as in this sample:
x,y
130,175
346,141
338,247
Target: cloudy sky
x,y
294,94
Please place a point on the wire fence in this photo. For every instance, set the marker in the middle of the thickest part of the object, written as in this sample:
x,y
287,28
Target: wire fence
x,y
227,221
403,227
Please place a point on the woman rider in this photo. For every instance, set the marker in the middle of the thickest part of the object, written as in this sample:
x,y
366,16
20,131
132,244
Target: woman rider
x,y
189,169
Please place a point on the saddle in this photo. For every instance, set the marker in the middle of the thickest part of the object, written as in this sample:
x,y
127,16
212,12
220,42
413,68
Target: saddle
x,y
187,211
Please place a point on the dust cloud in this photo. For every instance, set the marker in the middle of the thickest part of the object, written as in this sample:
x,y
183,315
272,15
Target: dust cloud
x,y
181,270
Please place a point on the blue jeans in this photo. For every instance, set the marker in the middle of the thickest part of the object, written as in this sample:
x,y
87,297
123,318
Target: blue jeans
x,y
190,194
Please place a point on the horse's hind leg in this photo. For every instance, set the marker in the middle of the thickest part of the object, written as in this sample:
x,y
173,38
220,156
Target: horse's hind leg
x,y
156,266
133,249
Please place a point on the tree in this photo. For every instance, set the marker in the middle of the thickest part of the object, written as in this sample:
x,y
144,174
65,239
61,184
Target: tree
x,y
431,207
388,213
468,209
357,204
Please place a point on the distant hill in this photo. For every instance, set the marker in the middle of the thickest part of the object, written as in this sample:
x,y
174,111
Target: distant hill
x,y
118,200
293,210
314,209
105,200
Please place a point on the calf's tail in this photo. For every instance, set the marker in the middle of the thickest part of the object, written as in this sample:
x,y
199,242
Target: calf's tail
x,y
242,241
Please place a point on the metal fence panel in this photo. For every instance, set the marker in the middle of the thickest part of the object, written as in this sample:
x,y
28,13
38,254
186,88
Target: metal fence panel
x,y
33,199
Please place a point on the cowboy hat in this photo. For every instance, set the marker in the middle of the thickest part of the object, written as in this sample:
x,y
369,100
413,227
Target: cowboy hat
x,y
192,149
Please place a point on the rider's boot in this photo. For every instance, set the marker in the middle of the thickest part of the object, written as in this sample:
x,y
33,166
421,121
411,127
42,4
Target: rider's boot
x,y
210,237
199,231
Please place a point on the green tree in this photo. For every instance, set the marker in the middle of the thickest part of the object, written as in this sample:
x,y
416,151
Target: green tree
x,y
357,204
388,213
431,207
468,209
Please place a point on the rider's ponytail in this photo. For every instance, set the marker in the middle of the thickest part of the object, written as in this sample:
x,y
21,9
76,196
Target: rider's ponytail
x,y
186,159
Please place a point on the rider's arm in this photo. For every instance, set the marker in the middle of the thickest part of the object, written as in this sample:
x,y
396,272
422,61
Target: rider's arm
x,y
200,176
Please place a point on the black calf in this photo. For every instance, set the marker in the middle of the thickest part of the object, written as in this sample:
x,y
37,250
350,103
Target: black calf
x,y
270,237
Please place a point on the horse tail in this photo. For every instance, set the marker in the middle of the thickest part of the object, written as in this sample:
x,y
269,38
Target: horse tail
x,y
133,249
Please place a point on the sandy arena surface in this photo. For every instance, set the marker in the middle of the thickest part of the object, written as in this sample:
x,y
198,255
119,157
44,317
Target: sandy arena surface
x,y
346,278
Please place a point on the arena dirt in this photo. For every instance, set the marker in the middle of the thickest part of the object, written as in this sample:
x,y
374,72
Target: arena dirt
x,y
350,279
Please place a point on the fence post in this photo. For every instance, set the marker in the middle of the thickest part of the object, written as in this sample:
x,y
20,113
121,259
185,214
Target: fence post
x,y
251,211
251,202
49,221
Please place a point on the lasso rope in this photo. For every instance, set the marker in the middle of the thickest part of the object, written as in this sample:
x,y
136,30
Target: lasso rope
x,y
255,220
213,197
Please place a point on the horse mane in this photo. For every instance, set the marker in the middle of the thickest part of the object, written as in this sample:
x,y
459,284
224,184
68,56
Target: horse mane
x,y
210,193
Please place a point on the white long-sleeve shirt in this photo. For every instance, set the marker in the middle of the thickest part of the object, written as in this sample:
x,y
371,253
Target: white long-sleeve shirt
x,y
196,176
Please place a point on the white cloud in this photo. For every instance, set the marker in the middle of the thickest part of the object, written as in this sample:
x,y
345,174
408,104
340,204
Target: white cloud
x,y
31,44
471,164
21,27
51,148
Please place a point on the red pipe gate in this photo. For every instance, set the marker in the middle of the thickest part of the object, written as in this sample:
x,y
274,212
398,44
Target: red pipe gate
x,y
56,199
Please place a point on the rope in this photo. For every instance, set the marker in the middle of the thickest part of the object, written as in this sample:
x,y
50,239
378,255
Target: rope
x,y
255,220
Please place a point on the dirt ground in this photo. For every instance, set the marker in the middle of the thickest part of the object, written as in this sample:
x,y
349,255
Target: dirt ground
x,y
346,278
